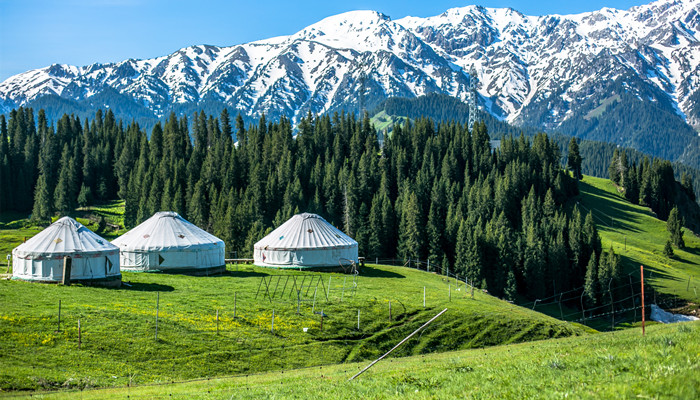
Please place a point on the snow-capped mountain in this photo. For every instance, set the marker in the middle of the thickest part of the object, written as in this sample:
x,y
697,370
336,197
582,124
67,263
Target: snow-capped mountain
x,y
564,72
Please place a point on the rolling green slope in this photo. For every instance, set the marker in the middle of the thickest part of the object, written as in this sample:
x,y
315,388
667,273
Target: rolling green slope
x,y
639,237
118,326
615,365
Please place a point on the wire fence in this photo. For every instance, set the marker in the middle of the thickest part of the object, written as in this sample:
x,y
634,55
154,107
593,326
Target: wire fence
x,y
585,313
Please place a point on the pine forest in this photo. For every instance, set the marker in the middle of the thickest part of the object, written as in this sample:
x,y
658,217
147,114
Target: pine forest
x,y
503,217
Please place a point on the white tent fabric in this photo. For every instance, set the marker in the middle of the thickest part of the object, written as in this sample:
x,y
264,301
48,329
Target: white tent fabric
x,y
305,240
41,257
167,241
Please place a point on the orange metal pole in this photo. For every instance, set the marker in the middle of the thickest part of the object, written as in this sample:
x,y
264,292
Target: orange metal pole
x,y
641,269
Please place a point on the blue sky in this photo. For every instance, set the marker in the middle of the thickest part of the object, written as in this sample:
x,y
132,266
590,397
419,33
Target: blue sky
x,y
37,33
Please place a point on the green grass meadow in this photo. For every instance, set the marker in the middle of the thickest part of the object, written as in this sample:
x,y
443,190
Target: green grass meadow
x,y
118,344
663,364
215,334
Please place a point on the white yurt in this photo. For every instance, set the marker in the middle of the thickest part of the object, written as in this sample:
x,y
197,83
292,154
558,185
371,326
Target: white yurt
x,y
94,259
305,241
167,242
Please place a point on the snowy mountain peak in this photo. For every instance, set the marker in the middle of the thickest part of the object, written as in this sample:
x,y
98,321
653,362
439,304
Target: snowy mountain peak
x,y
357,30
550,71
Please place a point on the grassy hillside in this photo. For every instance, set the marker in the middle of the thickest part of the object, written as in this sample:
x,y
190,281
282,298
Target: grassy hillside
x,y
118,345
636,234
384,122
638,237
623,364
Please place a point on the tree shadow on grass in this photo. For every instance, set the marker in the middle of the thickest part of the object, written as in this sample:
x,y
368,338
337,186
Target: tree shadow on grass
x,y
242,274
378,273
692,250
651,273
631,266
145,287
619,209
683,260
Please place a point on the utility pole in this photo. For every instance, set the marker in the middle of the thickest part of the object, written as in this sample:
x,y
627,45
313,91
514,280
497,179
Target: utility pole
x,y
473,106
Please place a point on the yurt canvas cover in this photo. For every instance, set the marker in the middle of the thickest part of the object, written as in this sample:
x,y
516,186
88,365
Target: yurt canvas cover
x,y
41,257
166,241
305,240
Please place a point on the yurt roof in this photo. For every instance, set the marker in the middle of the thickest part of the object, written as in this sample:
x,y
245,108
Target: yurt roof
x,y
166,230
65,236
305,231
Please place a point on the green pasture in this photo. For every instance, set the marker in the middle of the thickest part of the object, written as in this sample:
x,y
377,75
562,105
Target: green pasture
x,y
663,364
117,342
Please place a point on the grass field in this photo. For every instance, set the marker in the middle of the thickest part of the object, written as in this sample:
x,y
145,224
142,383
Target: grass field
x,y
118,345
664,364
383,122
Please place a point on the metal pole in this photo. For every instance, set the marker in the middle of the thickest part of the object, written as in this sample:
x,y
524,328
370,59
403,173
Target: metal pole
x,y
612,305
321,320
561,312
217,322
641,269
634,305
157,308
583,310
342,294
358,319
399,344
80,337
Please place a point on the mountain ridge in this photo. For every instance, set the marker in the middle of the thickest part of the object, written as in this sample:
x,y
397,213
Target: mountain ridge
x,y
551,71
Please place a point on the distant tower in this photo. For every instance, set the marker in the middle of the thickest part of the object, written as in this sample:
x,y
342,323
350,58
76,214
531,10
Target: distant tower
x,y
363,78
473,86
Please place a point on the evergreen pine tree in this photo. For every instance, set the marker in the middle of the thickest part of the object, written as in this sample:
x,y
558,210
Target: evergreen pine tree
x,y
84,196
574,159
375,243
65,197
196,208
410,229
668,249
43,206
511,286
674,225
591,283
613,168
687,185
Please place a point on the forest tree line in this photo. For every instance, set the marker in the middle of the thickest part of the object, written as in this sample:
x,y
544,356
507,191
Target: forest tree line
x,y
430,191
651,183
